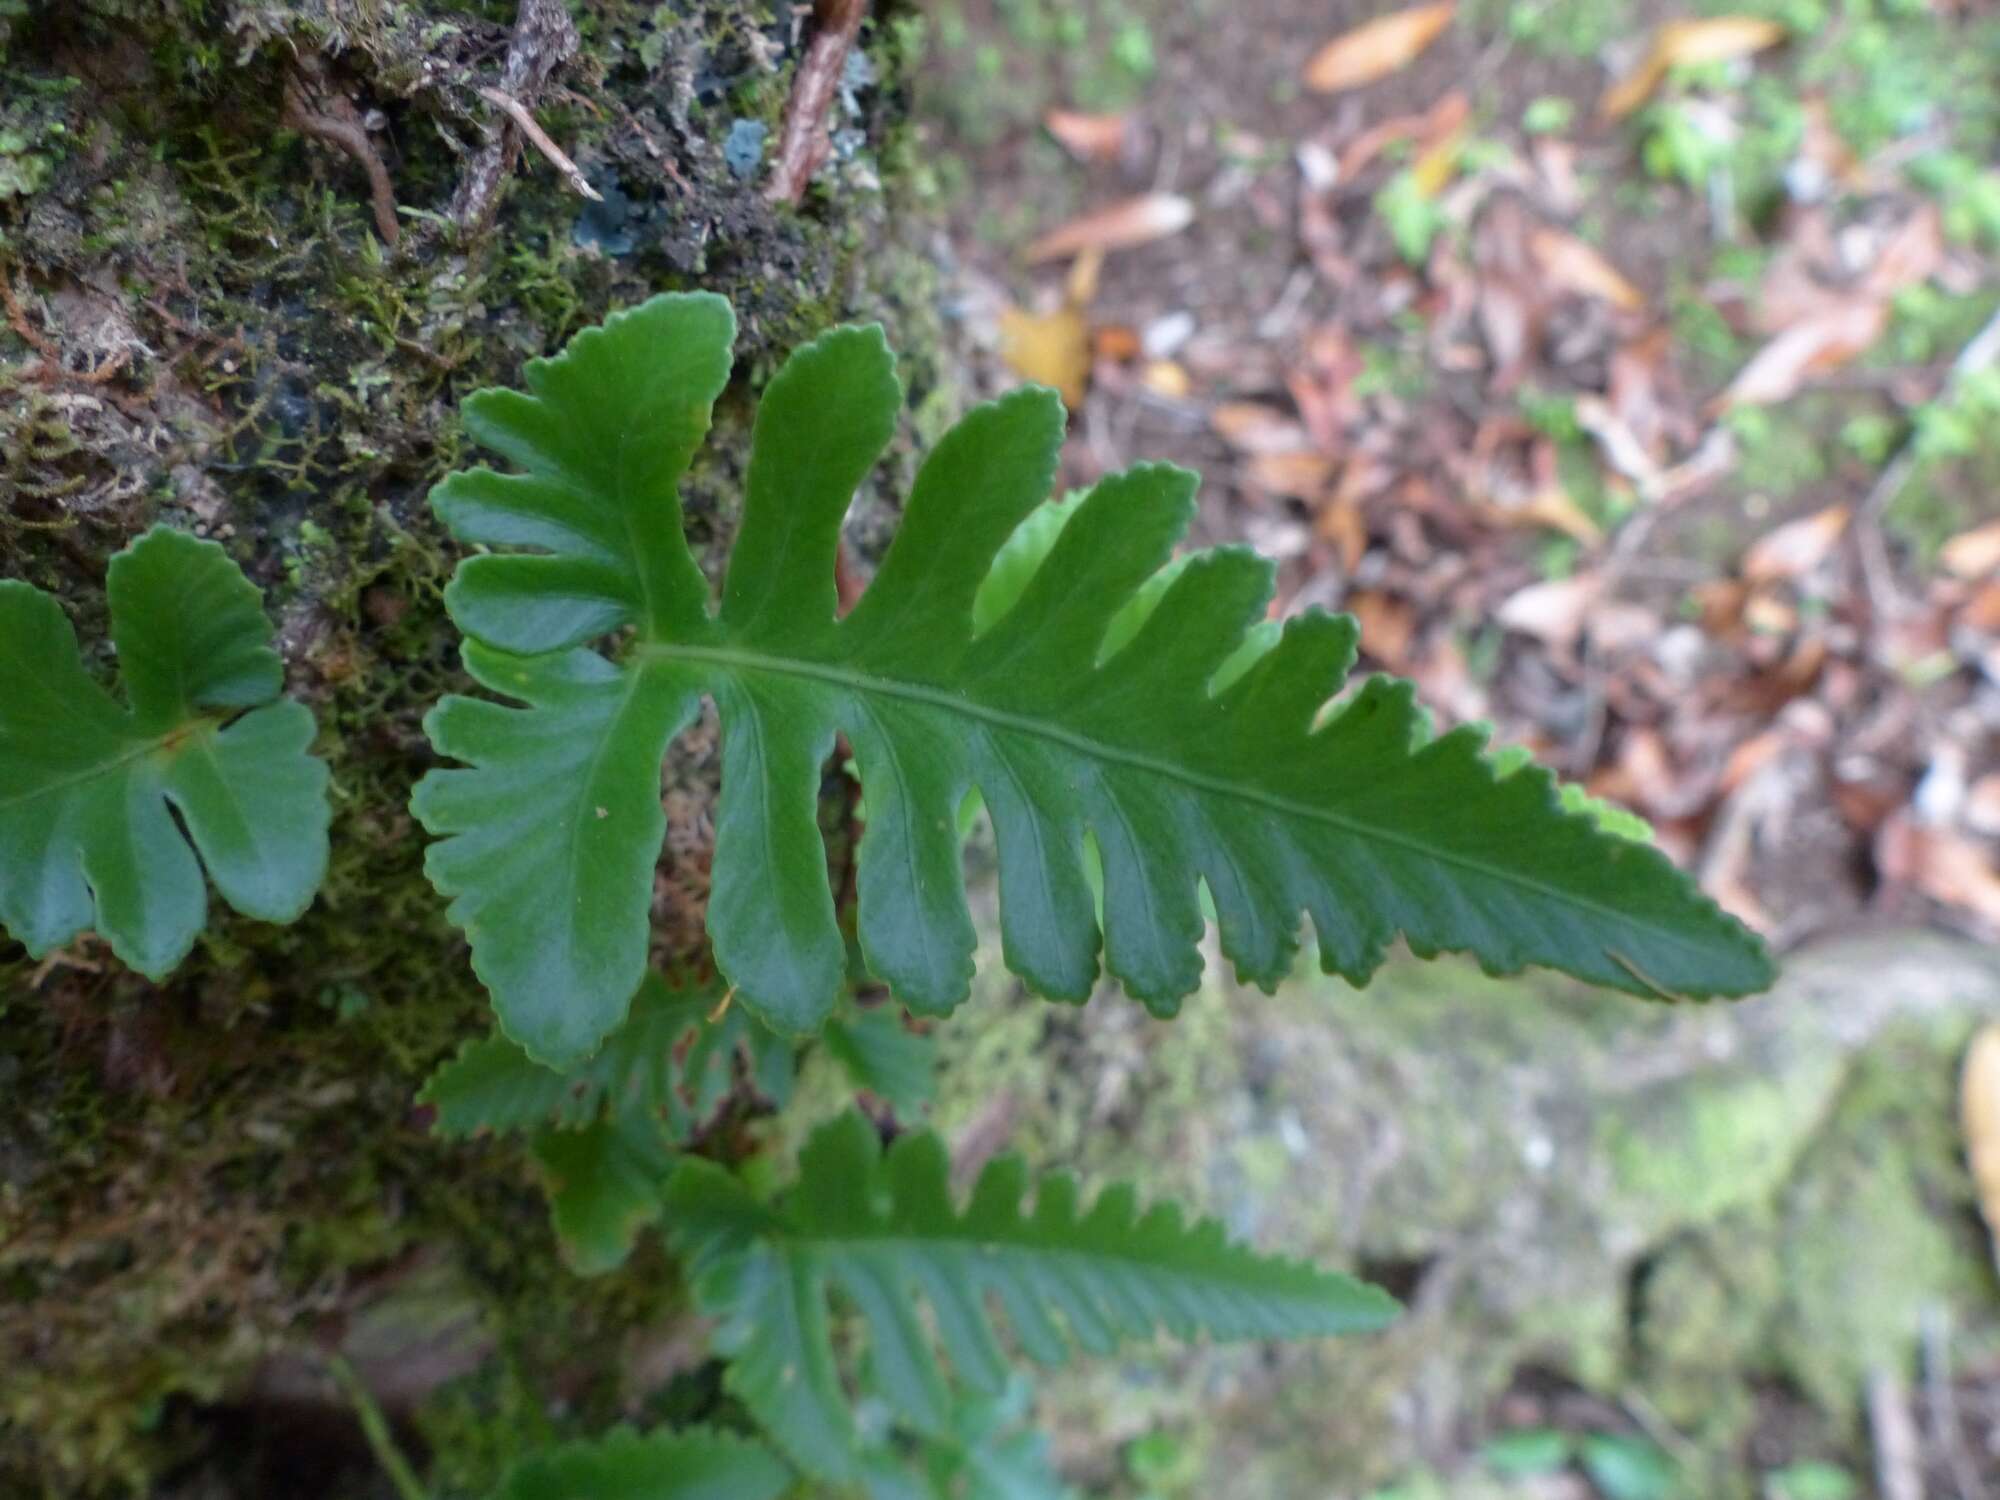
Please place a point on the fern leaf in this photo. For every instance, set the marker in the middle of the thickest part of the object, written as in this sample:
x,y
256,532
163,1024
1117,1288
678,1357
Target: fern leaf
x,y
882,1231
86,837
1189,755
603,1184
881,1055
669,1061
693,1464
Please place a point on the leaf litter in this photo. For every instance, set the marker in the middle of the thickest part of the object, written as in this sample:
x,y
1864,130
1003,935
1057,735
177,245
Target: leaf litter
x,y
1608,479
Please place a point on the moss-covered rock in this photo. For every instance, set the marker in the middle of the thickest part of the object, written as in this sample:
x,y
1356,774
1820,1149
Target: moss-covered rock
x,y
1675,1208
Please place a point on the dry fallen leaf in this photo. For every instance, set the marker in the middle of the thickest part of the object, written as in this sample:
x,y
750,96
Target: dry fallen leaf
x,y
1979,1118
1551,506
1431,173
1299,476
1134,221
1577,267
1795,548
1252,427
1812,347
1974,553
1683,43
1376,48
1052,348
1946,866
1100,138
1163,377
1554,611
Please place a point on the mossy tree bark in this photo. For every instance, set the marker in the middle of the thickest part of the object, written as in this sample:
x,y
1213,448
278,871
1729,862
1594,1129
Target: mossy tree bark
x,y
208,1185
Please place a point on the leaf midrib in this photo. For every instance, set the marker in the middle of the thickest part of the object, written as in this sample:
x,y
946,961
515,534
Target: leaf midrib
x,y
138,750
1254,1279
740,659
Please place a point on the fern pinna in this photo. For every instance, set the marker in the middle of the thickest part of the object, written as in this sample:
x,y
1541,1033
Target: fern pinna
x,y
1186,757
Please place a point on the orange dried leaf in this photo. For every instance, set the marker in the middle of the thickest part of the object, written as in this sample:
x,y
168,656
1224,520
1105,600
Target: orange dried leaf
x,y
1089,137
1577,267
1252,427
1301,476
1683,43
1134,221
1376,48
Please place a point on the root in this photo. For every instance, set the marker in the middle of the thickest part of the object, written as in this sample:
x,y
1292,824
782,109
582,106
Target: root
x,y
804,143
333,118
544,39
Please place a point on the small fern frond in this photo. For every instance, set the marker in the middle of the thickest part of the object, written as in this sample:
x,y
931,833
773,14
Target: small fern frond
x,y
882,1232
86,781
672,1061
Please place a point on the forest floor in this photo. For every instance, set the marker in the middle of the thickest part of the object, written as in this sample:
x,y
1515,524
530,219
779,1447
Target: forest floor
x,y
1635,382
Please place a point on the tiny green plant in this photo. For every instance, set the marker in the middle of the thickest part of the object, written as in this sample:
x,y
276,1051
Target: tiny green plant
x,y
86,838
1152,754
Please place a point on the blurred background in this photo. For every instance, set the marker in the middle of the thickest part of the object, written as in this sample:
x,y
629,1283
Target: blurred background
x,y
1633,373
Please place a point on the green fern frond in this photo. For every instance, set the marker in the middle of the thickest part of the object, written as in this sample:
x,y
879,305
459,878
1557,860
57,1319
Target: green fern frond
x,y
883,1233
672,1060
692,1464
86,782
1125,699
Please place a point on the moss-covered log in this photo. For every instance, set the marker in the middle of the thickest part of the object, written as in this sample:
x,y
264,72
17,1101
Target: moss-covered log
x,y
207,1185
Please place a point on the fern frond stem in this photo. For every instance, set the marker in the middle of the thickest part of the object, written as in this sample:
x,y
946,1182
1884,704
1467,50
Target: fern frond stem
x,y
375,1428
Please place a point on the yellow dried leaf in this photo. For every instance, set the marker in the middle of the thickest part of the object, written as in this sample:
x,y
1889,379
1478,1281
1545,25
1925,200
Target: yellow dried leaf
x,y
1551,506
1431,172
1052,348
1577,267
1979,1118
1163,377
1377,48
1684,43
1134,221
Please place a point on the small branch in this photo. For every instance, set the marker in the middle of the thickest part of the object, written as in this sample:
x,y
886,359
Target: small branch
x,y
544,39
539,139
343,128
804,143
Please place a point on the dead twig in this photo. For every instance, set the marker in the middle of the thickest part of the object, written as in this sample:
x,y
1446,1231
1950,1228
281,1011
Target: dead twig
x,y
1899,1471
539,139
803,142
544,39
334,119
